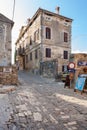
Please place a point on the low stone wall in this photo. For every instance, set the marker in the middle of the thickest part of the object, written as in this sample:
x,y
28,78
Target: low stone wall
x,y
8,75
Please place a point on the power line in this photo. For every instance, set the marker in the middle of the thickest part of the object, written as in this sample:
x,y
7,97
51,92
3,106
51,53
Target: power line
x,y
13,10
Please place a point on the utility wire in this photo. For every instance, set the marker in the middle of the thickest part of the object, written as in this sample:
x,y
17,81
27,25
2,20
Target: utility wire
x,y
13,10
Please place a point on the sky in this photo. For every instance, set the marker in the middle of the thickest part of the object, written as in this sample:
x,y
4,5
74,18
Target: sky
x,y
74,9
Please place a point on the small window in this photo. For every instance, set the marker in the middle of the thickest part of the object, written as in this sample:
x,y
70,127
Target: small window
x,y
65,54
63,68
1,30
65,37
30,41
30,56
20,49
36,54
48,33
23,49
48,52
26,58
36,35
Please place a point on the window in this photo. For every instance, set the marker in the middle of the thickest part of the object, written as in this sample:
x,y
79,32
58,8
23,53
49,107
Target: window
x,y
64,68
20,49
65,54
26,58
36,54
30,41
65,37
23,50
36,35
30,56
48,52
48,33
1,30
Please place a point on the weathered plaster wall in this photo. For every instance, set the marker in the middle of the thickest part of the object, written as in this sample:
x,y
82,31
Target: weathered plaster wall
x,y
5,44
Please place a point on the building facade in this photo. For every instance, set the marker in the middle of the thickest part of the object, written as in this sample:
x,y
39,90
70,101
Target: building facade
x,y
5,40
8,72
46,37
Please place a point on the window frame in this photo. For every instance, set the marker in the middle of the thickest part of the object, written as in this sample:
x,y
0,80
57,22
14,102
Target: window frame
x,y
48,52
48,33
36,54
26,58
31,56
30,40
65,37
65,54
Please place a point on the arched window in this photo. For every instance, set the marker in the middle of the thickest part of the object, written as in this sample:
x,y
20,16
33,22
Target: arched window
x,y
48,33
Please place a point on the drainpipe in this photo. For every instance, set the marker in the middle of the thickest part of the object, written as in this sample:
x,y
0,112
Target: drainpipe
x,y
41,40
41,47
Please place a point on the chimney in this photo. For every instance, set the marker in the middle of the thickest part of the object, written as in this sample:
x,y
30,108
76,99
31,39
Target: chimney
x,y
57,10
28,20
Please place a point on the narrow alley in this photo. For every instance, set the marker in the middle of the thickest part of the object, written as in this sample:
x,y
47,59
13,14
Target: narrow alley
x,y
39,103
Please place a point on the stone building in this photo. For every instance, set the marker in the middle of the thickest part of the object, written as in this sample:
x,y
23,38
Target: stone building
x,y
5,40
46,37
8,73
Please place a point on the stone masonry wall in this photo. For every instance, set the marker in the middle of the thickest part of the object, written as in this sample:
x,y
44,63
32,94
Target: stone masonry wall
x,y
8,75
5,44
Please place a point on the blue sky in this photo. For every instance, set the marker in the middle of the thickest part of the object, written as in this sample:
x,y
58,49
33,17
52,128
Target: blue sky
x,y
74,9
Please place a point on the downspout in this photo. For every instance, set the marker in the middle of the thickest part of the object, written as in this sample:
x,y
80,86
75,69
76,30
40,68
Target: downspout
x,y
41,38
41,47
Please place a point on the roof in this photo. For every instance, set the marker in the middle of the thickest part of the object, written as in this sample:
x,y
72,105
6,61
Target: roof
x,y
43,11
54,14
6,20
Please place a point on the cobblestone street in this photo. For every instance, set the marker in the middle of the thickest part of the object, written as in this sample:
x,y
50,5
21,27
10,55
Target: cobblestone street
x,y
39,103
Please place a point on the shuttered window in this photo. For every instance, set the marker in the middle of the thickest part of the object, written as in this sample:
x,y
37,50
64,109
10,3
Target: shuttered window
x,y
48,33
65,54
48,52
65,37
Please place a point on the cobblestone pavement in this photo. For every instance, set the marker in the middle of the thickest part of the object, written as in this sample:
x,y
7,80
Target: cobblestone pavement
x,y
42,104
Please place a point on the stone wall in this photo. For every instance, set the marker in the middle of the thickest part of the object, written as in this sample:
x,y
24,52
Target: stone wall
x,y
8,75
5,40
